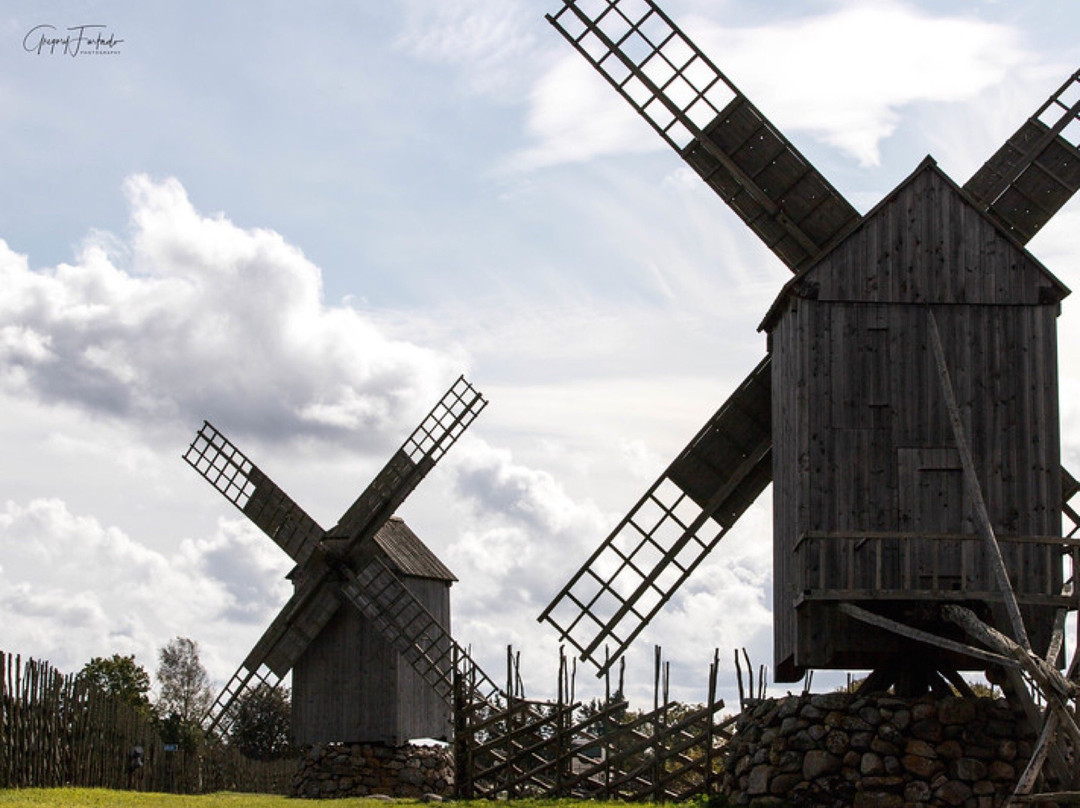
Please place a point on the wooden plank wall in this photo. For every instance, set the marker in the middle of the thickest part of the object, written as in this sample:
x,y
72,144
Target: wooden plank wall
x,y
861,434
351,685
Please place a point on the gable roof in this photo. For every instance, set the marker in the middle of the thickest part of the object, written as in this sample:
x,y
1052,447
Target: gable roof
x,y
407,554
927,176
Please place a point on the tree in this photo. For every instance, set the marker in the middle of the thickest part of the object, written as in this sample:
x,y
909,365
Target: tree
x,y
185,691
261,729
120,676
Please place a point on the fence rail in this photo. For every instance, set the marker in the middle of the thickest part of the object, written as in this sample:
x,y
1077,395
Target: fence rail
x,y
562,748
908,566
56,730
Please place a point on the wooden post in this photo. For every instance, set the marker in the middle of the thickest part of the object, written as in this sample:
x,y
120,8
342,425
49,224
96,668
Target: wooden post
x,y
974,490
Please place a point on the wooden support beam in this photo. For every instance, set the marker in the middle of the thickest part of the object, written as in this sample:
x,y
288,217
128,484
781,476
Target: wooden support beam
x,y
1052,686
924,636
974,490
1045,675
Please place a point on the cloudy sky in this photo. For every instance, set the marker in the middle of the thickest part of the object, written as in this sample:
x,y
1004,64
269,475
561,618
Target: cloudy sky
x,y
303,225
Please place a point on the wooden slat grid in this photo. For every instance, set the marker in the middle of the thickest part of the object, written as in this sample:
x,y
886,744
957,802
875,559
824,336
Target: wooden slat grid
x,y
557,749
671,529
1037,170
241,482
860,566
221,716
436,433
417,635
670,82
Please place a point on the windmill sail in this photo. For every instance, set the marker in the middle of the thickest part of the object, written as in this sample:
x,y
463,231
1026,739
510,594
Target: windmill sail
x,y
1037,170
672,528
437,432
328,579
713,126
241,482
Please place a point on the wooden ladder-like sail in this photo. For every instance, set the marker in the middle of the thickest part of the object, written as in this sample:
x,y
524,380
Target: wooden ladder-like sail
x,y
681,518
1037,170
713,126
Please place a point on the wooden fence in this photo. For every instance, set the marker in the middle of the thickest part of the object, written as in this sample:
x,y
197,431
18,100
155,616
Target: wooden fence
x,y
55,730
563,748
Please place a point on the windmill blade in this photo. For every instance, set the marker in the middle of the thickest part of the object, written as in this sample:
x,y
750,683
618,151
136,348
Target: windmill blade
x,y
242,483
300,620
437,432
1037,170
681,518
713,126
417,635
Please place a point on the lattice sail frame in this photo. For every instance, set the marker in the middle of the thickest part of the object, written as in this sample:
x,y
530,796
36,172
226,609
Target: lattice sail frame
x,y
701,114
1037,170
671,529
407,625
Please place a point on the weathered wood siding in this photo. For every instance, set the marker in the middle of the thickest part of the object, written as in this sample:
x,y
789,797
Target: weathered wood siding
x,y
862,439
352,686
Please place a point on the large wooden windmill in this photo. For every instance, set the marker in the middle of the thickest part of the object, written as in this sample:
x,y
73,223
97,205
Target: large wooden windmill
x,y
366,631
906,411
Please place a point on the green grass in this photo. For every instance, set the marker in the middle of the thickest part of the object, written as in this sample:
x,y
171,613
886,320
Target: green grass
x,y
105,798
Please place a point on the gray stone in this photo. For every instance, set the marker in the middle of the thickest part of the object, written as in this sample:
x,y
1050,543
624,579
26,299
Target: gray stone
x,y
758,781
818,762
837,742
953,792
871,764
917,791
783,784
968,769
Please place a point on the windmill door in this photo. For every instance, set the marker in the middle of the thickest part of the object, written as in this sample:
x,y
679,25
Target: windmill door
x,y
932,508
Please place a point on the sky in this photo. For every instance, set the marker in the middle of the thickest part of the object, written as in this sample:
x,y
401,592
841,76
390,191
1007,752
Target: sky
x,y
304,225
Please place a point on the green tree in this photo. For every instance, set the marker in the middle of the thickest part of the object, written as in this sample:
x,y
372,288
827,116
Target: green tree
x,y
185,692
262,726
120,676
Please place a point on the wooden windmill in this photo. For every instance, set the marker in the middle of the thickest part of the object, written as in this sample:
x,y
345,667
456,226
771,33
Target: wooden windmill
x,y
906,412
369,598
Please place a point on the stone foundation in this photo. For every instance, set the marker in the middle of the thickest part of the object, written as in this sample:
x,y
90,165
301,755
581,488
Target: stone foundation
x,y
359,770
838,749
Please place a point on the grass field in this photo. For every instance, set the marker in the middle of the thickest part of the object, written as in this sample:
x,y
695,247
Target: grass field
x,y
105,798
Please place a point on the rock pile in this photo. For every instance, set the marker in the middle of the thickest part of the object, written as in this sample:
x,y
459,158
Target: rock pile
x,y
846,750
358,770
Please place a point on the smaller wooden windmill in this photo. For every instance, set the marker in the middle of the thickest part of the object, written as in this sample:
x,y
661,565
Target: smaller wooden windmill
x,y
350,678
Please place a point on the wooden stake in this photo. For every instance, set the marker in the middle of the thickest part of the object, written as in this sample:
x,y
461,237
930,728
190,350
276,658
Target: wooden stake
x,y
974,490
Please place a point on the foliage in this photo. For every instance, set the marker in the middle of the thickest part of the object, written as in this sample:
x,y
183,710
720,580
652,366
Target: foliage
x,y
185,692
185,686
119,676
261,729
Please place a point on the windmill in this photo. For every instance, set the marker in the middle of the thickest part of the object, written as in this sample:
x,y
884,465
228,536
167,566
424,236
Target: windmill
x,y
354,566
880,514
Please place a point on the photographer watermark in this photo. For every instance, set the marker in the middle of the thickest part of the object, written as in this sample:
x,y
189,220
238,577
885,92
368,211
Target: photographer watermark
x,y
78,40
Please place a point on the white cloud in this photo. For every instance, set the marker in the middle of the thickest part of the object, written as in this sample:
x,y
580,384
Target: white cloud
x,y
72,588
196,317
487,39
843,76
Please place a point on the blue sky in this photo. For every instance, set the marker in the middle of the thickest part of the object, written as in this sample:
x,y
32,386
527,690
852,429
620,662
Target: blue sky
x,y
303,225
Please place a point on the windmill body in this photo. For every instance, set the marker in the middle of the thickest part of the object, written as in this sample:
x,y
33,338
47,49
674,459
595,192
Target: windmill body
x,y
868,496
884,482
351,685
367,629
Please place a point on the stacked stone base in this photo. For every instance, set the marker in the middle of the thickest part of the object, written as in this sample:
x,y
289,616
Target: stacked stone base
x,y
837,749
361,770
